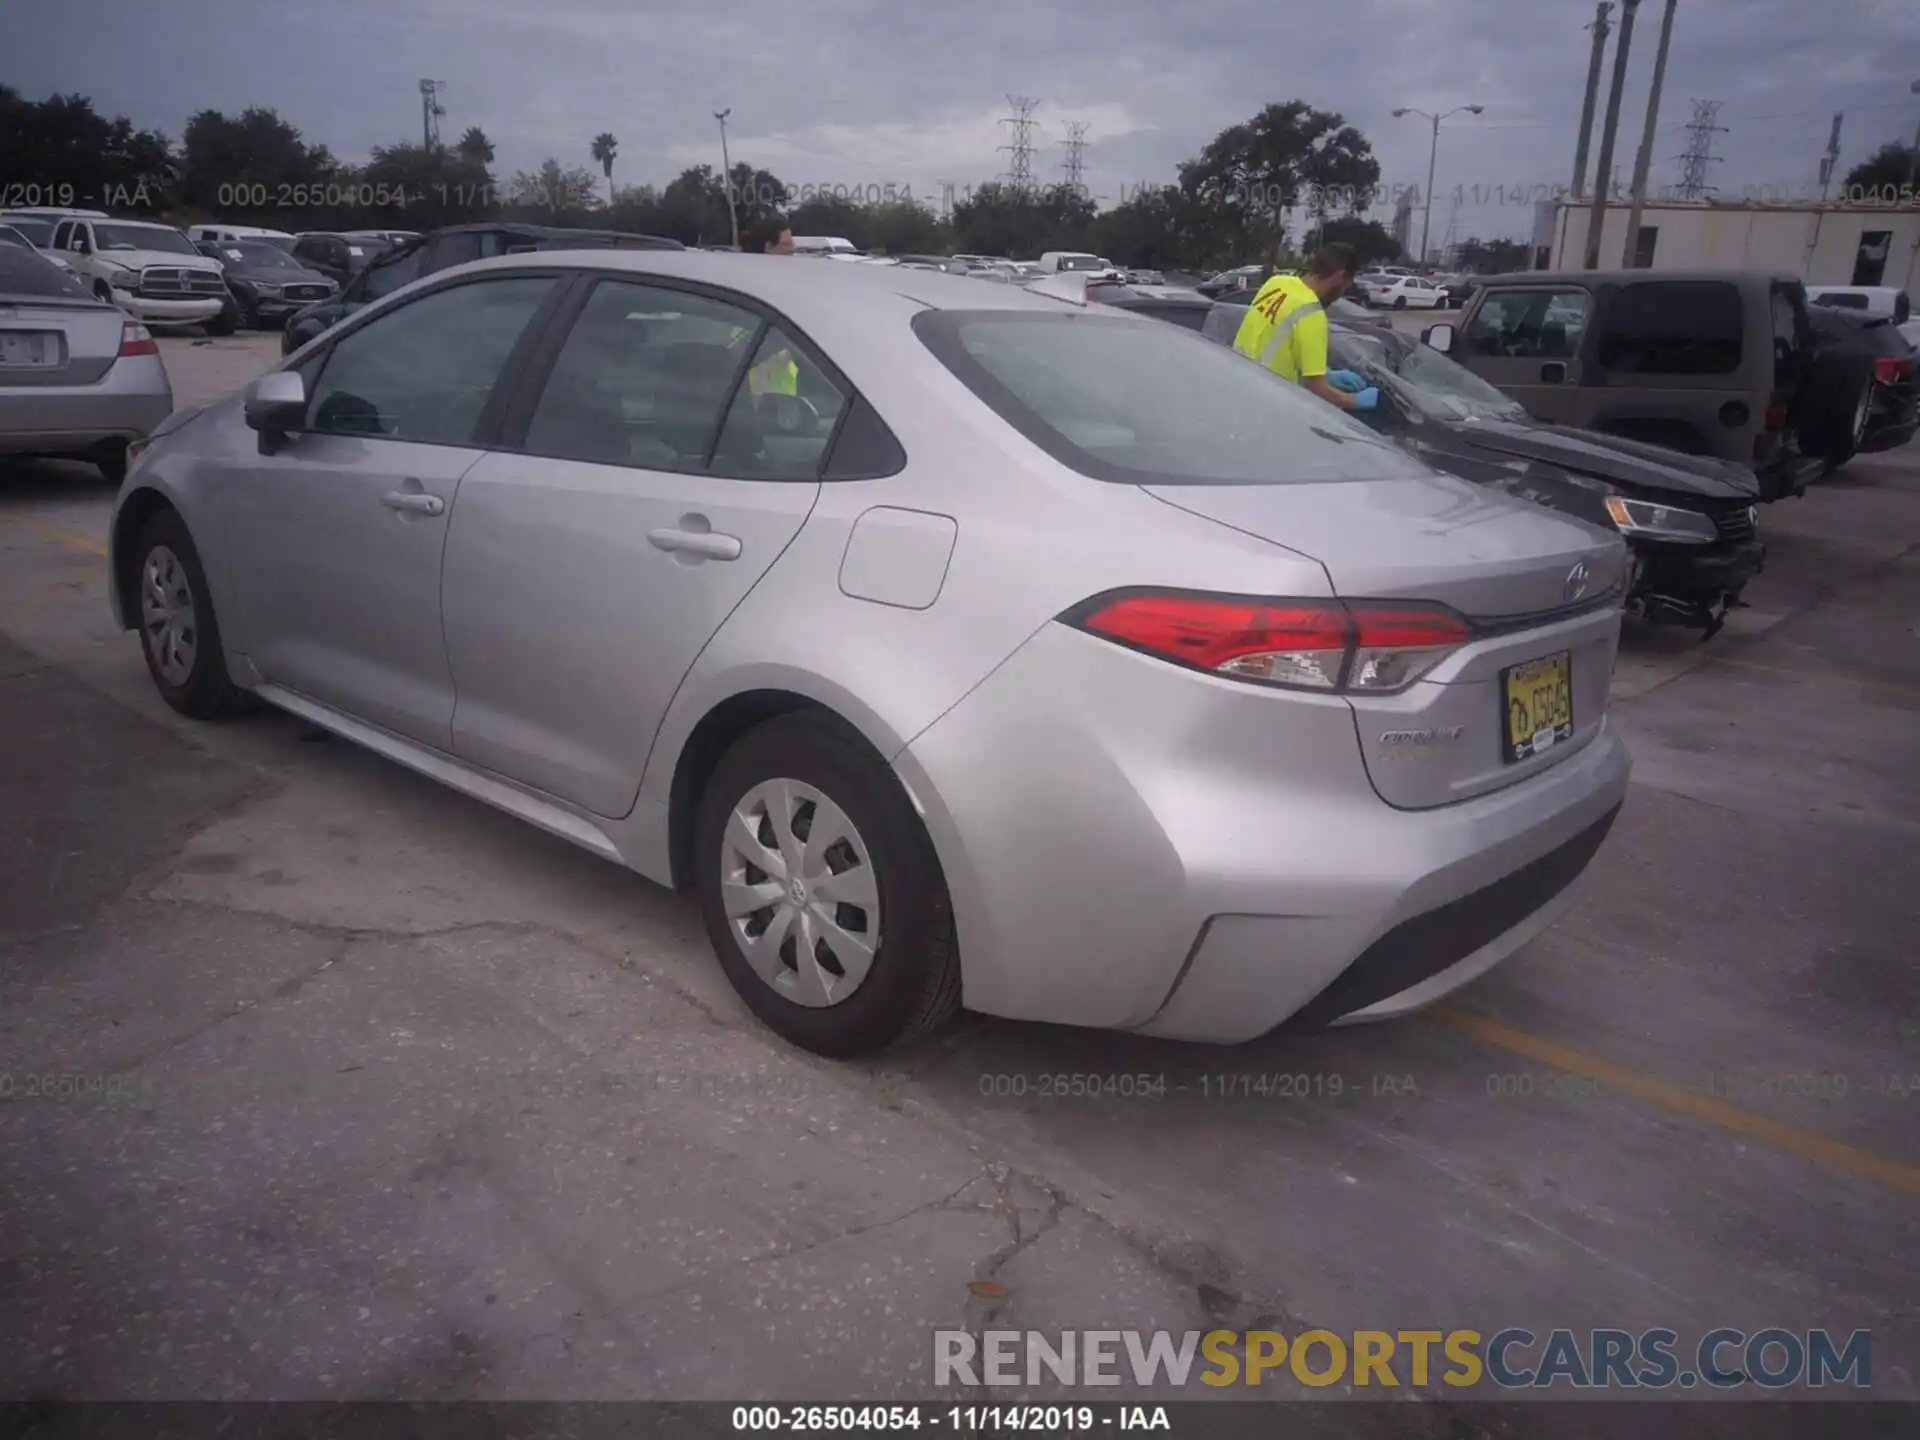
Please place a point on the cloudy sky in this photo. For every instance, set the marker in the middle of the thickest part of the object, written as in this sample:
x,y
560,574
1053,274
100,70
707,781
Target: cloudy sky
x,y
853,92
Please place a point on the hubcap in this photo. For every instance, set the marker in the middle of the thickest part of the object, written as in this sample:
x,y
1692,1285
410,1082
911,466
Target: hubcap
x,y
167,616
800,894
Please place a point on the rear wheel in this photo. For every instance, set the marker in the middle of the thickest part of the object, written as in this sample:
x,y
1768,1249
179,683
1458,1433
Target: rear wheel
x,y
179,635
821,891
1399,302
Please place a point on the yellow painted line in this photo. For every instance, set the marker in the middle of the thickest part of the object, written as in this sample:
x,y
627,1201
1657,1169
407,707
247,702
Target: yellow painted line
x,y
1847,1159
61,537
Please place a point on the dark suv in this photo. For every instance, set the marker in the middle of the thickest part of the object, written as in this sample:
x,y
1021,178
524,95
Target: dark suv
x,y
438,250
1706,363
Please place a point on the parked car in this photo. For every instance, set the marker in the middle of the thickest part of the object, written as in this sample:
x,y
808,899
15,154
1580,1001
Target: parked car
x,y
336,255
1888,411
78,378
1186,308
1223,319
1460,289
441,249
203,234
266,282
884,668
1079,262
1400,292
1704,362
1241,277
1692,523
150,271
37,231
1868,302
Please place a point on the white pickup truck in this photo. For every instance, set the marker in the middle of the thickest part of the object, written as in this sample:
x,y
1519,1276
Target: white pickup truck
x,y
150,271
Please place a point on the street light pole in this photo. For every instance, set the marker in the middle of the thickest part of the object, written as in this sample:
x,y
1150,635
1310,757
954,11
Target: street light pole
x,y
1433,153
1913,159
726,174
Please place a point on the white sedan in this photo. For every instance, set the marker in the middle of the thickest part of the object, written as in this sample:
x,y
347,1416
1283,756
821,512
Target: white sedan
x,y
1402,292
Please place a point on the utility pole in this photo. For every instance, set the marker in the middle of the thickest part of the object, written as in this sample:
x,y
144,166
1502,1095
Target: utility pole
x,y
1644,161
726,173
1832,157
1597,212
1600,30
1913,159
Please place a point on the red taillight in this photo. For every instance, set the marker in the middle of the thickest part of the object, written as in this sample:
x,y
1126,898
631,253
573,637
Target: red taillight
x,y
1891,370
1368,646
1776,417
136,340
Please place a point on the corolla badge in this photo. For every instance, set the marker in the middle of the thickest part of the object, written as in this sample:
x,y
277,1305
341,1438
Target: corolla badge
x,y
1578,579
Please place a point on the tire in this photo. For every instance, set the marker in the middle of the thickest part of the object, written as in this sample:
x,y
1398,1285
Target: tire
x,y
110,459
103,291
912,984
223,324
1835,403
1399,302
169,579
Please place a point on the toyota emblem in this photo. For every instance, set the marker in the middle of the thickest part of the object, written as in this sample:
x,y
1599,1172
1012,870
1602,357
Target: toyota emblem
x,y
1577,579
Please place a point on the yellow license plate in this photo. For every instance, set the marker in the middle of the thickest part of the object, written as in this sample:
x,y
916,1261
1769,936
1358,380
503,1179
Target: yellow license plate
x,y
1539,701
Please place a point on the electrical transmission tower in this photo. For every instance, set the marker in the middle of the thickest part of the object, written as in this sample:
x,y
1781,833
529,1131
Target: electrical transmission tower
x,y
1699,152
1019,150
1076,163
431,112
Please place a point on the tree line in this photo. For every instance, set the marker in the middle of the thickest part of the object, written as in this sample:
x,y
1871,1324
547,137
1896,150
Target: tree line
x,y
1290,175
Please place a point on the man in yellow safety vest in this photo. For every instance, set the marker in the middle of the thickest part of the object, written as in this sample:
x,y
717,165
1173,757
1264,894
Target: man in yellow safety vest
x,y
1285,329
778,374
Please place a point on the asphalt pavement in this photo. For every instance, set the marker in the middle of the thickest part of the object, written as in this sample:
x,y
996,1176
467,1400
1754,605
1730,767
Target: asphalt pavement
x,y
317,1080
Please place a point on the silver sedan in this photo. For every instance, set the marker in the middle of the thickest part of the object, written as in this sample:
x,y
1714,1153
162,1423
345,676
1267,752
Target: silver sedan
x,y
953,644
77,377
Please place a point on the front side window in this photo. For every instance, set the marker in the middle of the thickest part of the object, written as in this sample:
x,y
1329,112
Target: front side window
x,y
1673,327
424,372
1538,324
1135,402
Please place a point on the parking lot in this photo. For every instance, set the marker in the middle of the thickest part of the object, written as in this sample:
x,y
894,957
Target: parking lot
x,y
362,1089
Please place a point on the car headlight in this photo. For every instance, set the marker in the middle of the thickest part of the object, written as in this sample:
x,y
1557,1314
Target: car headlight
x,y
124,280
261,287
1661,522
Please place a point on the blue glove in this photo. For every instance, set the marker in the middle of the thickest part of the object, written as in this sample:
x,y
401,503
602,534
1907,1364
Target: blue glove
x,y
1351,381
1367,399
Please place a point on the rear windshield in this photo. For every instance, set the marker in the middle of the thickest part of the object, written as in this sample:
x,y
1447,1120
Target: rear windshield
x,y
27,274
1135,402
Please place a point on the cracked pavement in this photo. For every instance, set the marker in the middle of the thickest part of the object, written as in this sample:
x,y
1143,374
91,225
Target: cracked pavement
x,y
376,1093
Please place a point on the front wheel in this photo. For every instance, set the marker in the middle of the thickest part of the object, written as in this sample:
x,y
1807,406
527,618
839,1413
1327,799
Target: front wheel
x,y
821,891
179,635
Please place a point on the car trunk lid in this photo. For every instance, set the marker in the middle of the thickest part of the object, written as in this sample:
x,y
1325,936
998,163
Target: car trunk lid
x,y
1541,591
57,342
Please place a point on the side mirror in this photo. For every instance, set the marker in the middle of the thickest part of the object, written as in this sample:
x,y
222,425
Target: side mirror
x,y
276,403
1438,337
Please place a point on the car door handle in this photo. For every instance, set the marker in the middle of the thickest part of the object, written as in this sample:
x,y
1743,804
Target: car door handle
x,y
414,501
697,542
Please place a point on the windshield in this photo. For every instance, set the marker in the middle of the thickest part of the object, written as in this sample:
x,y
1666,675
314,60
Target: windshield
x,y
1135,402
142,237
1431,382
258,255
37,232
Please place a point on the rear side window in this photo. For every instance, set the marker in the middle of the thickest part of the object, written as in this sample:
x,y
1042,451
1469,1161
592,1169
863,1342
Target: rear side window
x,y
1838,301
1136,402
1673,327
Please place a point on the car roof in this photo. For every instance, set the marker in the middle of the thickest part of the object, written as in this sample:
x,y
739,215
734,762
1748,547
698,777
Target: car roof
x,y
1617,277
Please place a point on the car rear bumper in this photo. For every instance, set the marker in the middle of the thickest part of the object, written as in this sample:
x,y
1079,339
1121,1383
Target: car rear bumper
x,y
124,404
1133,846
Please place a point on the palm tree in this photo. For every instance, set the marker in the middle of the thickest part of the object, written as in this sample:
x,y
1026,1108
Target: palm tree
x,y
604,147
475,146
